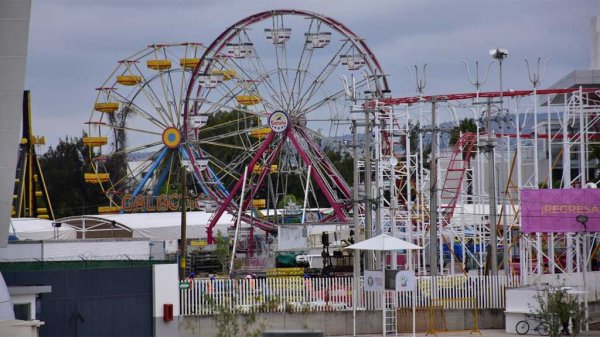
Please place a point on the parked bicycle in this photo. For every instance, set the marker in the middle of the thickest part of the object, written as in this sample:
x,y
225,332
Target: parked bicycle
x,y
542,327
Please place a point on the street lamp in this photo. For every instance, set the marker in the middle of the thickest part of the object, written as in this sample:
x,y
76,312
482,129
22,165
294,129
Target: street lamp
x,y
582,219
498,54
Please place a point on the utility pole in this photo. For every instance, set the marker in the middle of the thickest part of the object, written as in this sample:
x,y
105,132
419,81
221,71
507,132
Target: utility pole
x,y
183,208
368,193
500,55
355,211
433,207
493,260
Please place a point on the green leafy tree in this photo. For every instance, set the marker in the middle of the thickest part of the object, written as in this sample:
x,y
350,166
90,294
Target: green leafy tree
x,y
222,251
64,167
558,308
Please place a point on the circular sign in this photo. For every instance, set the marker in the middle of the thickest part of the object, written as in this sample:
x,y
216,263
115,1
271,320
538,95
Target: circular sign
x,y
279,121
171,137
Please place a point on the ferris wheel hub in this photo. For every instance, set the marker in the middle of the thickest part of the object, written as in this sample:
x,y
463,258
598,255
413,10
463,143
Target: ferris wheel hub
x,y
299,120
171,137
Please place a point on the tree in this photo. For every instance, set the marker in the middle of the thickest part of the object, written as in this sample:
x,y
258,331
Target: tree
x,y
466,125
556,307
64,168
222,251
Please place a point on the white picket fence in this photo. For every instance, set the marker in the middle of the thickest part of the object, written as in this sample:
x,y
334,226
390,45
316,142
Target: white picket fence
x,y
207,297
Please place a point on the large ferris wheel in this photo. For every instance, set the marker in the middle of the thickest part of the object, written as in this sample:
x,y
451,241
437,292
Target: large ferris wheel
x,y
257,103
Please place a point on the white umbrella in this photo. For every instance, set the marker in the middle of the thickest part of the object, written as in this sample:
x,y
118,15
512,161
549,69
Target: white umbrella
x,y
384,242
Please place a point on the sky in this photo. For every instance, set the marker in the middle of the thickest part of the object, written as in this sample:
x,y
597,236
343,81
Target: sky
x,y
75,44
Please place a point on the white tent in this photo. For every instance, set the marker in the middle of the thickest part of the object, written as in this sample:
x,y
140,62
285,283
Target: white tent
x,y
40,229
167,226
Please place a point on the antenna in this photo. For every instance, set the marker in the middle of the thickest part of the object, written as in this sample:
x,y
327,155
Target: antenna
x,y
418,83
536,77
475,81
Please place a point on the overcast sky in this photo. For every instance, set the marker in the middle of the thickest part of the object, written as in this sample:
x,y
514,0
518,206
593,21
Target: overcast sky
x,y
75,44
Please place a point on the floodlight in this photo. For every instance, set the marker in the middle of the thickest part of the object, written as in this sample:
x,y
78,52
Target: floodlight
x,y
499,53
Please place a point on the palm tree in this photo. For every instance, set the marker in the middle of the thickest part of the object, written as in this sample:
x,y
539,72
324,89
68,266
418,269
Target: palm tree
x,y
465,125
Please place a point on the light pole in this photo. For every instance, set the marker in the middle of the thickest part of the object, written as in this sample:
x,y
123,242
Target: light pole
x,y
582,219
498,54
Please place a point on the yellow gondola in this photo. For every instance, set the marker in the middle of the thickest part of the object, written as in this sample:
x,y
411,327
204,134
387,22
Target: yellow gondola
x,y
107,107
43,216
42,210
260,132
129,80
96,178
248,99
95,141
108,209
259,203
260,169
39,193
159,64
189,63
226,73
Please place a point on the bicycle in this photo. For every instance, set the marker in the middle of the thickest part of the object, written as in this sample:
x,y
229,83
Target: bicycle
x,y
542,328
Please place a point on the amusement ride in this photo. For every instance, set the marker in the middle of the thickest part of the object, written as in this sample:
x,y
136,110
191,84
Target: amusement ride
x,y
250,118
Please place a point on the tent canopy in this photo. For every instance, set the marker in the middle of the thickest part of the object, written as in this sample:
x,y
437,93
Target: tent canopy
x,y
384,242
153,226
40,229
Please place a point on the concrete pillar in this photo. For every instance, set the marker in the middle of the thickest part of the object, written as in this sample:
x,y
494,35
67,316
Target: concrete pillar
x,y
165,290
14,35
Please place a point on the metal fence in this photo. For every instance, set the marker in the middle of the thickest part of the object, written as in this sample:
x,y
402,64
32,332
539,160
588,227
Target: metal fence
x,y
208,297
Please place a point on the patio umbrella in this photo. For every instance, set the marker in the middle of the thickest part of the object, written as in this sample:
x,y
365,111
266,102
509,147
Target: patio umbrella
x,y
384,242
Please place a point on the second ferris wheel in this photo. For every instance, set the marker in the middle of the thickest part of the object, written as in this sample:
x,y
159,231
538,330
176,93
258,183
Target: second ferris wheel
x,y
257,105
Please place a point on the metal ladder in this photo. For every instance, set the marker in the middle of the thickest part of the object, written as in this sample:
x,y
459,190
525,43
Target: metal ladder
x,y
390,315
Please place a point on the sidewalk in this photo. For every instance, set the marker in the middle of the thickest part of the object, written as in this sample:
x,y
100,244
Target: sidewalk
x,y
486,333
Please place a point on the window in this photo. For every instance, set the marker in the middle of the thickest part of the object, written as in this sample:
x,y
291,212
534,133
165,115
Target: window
x,y
23,311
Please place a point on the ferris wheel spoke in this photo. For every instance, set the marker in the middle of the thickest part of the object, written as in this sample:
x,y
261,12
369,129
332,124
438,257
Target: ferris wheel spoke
x,y
137,109
302,68
321,77
281,66
137,148
333,97
126,128
150,95
162,106
159,106
224,145
264,77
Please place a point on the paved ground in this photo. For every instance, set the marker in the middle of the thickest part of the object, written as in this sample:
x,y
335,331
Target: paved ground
x,y
486,333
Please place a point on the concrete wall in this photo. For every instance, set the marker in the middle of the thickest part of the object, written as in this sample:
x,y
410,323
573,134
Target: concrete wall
x,y
165,289
135,249
333,323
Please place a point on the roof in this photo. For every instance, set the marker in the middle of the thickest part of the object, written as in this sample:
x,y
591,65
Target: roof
x,y
153,226
167,226
39,229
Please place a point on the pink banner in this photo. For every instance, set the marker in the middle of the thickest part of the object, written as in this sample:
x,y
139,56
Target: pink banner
x,y
554,211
